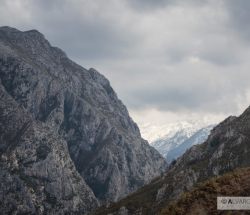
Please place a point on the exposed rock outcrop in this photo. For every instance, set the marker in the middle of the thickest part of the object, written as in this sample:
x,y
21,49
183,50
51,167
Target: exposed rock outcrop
x,y
227,148
56,103
36,172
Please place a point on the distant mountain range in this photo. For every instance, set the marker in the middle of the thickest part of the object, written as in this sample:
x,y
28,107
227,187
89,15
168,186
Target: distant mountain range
x,y
179,139
153,132
178,191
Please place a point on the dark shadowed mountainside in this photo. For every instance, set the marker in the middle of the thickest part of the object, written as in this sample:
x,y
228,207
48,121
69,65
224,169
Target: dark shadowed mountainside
x,y
67,141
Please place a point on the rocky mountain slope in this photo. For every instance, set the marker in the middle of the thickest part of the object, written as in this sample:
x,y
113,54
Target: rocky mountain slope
x,y
60,112
203,198
227,148
174,145
36,172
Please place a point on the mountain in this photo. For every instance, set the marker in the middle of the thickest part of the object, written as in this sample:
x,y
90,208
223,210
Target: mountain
x,y
36,172
203,198
67,143
226,149
200,200
174,145
153,132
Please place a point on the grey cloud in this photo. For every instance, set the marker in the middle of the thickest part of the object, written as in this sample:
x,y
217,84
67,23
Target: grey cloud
x,y
221,55
86,41
239,16
83,34
149,5
50,5
213,99
116,38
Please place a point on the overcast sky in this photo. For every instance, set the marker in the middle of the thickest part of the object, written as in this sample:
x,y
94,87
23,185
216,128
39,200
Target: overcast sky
x,y
168,60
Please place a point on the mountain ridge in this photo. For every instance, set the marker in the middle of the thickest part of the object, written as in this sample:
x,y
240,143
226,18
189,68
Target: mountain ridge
x,y
226,149
203,198
81,109
174,145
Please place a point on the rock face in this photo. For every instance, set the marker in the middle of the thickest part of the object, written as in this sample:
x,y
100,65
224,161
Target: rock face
x,y
227,148
60,112
36,172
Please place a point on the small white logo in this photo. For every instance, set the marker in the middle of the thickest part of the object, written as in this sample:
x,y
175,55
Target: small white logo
x,y
233,203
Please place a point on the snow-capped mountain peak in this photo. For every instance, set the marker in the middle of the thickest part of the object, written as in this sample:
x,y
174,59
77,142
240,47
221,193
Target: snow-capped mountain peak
x,y
171,147
153,133
173,139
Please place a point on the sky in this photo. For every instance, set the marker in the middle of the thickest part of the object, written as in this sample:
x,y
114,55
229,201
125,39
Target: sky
x,y
168,60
